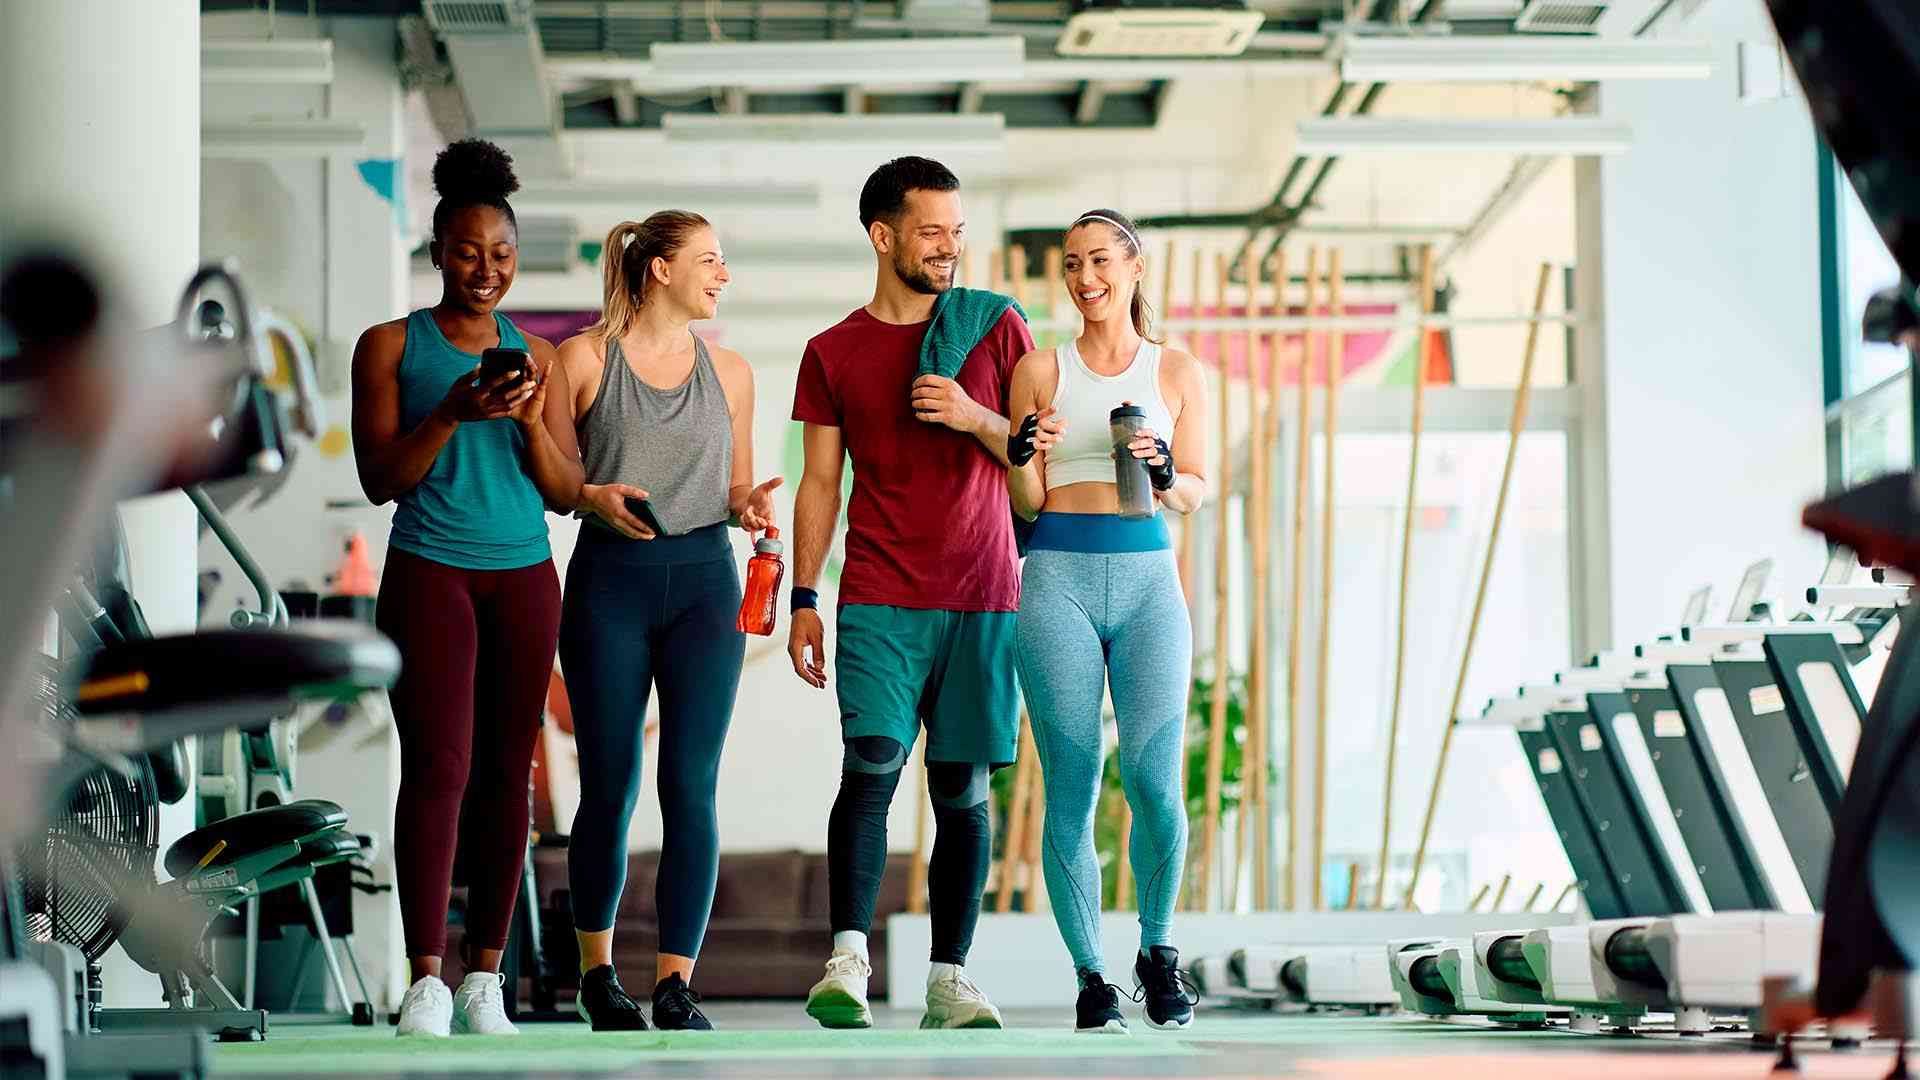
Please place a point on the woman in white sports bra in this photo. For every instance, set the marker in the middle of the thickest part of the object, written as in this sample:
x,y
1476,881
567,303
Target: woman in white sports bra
x,y
1100,603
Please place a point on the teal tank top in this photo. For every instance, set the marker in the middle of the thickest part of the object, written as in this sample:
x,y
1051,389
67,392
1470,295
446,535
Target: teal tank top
x,y
477,507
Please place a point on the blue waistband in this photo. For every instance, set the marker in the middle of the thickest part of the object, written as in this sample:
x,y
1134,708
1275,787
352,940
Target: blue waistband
x,y
1099,534
701,545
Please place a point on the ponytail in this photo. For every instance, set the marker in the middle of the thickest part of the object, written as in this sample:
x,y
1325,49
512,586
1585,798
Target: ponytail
x,y
626,265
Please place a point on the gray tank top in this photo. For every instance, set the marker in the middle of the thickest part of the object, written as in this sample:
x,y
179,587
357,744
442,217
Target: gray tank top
x,y
676,445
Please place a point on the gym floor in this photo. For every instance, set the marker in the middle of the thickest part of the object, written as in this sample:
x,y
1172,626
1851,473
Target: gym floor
x,y
764,1040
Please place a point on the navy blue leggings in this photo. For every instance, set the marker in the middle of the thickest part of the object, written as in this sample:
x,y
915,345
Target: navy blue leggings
x,y
640,614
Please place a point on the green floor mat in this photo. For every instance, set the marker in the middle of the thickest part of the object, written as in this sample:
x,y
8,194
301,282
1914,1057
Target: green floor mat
x,y
575,1049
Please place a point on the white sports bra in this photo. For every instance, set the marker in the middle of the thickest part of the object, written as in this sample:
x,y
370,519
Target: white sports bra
x,y
1085,398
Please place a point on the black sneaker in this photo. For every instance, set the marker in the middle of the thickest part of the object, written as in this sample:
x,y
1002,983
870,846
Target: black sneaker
x,y
604,1003
676,1007
1097,1012
1164,988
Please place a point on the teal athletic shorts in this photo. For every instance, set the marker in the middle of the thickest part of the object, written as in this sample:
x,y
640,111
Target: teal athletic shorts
x,y
950,670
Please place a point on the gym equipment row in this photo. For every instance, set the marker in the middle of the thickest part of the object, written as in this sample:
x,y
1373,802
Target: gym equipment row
x,y
1696,783
95,731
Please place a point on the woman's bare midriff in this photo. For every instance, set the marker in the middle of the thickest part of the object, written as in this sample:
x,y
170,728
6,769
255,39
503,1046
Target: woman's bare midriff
x,y
1093,497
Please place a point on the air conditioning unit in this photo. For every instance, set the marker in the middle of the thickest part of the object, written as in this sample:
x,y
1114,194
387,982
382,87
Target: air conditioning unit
x,y
1159,28
1561,17
477,16
549,243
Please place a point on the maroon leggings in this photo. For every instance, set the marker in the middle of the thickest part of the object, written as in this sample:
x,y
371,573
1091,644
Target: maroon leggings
x,y
476,649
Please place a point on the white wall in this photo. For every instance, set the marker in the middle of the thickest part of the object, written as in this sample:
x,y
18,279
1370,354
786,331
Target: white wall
x,y
1712,354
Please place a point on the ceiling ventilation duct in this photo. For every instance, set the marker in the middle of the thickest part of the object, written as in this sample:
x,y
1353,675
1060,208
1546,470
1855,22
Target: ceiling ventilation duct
x,y
1159,28
1561,17
494,47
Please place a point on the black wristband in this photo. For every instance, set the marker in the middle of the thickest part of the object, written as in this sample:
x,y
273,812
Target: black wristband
x,y
1020,444
1162,475
802,598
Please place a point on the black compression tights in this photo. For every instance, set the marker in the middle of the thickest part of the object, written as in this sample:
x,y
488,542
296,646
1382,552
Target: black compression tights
x,y
857,842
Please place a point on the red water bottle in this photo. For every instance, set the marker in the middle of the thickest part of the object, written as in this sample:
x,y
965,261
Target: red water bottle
x,y
764,572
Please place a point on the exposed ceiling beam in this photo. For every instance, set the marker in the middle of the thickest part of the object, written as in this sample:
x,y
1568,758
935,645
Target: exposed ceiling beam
x,y
971,97
733,101
1093,95
854,101
573,68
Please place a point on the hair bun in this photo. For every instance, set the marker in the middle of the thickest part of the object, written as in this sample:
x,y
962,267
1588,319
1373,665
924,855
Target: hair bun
x,y
474,171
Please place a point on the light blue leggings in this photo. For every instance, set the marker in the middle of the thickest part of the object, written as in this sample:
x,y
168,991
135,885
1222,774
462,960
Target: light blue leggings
x,y
1100,604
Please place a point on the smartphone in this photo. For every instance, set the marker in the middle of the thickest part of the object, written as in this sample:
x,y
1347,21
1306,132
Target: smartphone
x,y
497,362
643,510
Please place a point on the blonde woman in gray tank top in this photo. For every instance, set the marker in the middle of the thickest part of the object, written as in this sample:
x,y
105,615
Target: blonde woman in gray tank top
x,y
665,426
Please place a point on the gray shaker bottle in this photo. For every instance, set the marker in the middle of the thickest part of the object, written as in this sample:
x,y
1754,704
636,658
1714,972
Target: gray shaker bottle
x,y
1129,472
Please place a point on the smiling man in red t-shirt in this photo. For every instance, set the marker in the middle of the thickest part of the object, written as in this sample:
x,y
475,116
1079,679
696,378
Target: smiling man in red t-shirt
x,y
930,587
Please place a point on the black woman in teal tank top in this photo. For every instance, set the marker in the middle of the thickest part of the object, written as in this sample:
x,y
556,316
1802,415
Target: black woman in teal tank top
x,y
469,594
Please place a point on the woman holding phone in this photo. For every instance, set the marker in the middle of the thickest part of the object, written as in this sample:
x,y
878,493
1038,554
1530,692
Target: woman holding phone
x,y
665,426
458,444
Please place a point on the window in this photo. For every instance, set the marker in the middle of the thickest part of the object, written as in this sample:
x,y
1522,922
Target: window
x,y
1869,402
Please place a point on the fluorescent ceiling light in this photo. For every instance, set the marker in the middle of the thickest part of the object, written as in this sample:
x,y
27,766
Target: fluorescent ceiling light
x,y
633,199
280,138
305,62
1367,134
1520,58
906,132
808,63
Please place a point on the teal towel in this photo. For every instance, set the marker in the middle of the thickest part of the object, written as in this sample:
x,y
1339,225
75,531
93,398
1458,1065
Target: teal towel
x,y
961,318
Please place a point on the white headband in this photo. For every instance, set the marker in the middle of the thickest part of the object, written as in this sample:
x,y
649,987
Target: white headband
x,y
1124,231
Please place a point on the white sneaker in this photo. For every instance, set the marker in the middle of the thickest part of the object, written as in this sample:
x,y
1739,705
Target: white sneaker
x,y
840,999
427,1009
954,1002
479,1006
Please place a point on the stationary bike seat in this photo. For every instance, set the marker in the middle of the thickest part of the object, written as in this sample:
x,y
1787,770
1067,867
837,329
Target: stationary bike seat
x,y
247,834
317,659
330,848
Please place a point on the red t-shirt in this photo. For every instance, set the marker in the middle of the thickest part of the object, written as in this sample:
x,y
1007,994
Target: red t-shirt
x,y
930,524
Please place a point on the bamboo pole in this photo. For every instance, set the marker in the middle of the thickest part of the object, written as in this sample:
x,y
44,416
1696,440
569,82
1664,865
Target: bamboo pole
x,y
1056,278
1353,885
1269,441
1336,359
1296,609
1166,284
1217,721
1023,769
1253,766
923,810
1534,897
1562,898
1500,893
1199,272
1406,570
1480,897
1514,428
1036,892
1019,254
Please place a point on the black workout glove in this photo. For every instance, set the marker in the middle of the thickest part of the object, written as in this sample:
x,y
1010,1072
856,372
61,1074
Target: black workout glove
x,y
1020,444
1161,474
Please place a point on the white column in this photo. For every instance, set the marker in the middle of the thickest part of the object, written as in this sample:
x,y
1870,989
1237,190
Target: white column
x,y
100,118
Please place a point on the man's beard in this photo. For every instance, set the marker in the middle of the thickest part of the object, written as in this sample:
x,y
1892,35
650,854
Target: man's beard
x,y
919,278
